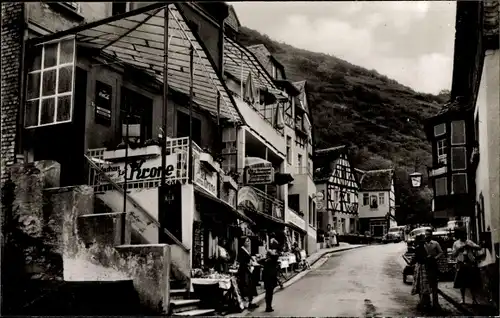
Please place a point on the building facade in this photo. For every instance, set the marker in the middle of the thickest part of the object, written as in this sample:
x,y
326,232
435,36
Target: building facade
x,y
338,189
377,205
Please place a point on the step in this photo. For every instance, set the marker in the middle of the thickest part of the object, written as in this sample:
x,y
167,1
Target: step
x,y
182,305
176,294
197,312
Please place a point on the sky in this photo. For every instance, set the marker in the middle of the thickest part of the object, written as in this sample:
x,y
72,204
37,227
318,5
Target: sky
x,y
409,41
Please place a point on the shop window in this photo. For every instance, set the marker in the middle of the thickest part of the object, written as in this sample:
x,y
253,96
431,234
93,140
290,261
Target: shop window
x,y
183,127
441,186
459,183
119,7
366,199
381,198
458,132
49,96
439,129
459,158
140,111
441,151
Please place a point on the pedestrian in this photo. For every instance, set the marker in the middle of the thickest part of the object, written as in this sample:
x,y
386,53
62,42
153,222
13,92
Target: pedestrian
x,y
467,275
222,256
421,286
333,238
296,252
434,252
270,277
246,282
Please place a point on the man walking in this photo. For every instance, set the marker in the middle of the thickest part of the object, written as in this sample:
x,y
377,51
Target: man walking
x,y
434,252
270,277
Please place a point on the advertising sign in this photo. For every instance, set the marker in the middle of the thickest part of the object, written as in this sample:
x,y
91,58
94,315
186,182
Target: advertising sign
x,y
142,169
103,93
248,198
259,175
205,178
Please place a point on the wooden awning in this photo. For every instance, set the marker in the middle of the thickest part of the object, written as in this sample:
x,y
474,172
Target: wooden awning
x,y
137,38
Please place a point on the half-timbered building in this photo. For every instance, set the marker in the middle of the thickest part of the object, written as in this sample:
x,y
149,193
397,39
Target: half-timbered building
x,y
338,188
377,202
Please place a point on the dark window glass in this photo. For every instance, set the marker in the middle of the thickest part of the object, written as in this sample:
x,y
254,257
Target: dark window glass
x,y
118,8
48,110
50,55
140,109
183,127
441,186
64,108
294,202
439,129
459,183
458,132
459,158
366,199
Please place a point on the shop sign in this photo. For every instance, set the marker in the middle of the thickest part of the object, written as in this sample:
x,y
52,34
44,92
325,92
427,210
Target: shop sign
x,y
248,198
259,175
320,200
142,169
102,103
205,178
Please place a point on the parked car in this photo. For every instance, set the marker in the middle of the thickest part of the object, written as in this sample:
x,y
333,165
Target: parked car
x,y
413,234
394,235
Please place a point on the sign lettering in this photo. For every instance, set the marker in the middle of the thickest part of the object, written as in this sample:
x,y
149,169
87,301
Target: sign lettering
x,y
142,169
102,101
259,175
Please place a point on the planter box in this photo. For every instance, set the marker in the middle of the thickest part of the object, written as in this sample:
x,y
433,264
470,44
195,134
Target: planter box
x,y
138,152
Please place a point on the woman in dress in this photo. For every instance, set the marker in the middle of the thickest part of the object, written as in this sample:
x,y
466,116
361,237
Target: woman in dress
x,y
245,280
467,274
421,284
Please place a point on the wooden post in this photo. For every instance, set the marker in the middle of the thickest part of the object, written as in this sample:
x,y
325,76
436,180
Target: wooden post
x,y
190,159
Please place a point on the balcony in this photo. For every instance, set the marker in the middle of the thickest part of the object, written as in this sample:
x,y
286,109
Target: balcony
x,y
144,167
255,199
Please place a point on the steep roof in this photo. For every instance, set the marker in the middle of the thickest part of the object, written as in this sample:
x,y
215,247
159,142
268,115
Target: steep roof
x,y
232,19
324,160
376,180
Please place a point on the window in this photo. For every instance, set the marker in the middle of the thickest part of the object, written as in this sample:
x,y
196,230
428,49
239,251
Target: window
x,y
366,199
294,202
373,201
476,128
441,151
299,163
140,109
348,195
342,224
441,186
274,72
458,132
381,198
289,149
119,7
439,130
459,158
72,5
183,127
343,173
49,96
459,183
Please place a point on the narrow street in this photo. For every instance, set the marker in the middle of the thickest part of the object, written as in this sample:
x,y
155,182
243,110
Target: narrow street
x,y
359,282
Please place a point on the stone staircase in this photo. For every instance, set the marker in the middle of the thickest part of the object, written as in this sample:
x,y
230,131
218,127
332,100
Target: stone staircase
x,y
182,305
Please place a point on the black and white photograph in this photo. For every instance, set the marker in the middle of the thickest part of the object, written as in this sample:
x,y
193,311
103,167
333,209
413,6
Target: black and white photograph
x,y
250,158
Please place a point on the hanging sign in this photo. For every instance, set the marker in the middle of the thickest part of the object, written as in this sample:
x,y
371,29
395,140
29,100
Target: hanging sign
x,y
102,103
142,169
259,175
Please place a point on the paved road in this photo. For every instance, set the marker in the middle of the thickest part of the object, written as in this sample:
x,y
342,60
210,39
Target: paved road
x,y
363,282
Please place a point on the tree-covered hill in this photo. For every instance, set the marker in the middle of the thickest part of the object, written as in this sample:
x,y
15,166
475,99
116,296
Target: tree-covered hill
x,y
378,118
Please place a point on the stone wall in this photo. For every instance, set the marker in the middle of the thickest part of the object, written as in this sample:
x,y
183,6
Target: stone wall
x,y
12,41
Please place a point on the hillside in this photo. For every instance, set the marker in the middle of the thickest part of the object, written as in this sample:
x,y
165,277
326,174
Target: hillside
x,y
378,118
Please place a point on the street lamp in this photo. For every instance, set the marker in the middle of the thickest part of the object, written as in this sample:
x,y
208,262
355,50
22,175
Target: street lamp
x,y
416,179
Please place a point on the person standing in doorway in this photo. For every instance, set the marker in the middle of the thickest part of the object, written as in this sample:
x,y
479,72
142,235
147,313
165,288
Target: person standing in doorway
x,y
434,252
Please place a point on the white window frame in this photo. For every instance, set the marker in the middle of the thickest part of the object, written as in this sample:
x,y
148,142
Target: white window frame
x,y
444,132
451,135
56,96
441,145
466,183
366,195
381,198
465,158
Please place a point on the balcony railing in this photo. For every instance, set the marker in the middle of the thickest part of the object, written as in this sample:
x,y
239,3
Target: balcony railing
x,y
177,168
270,205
